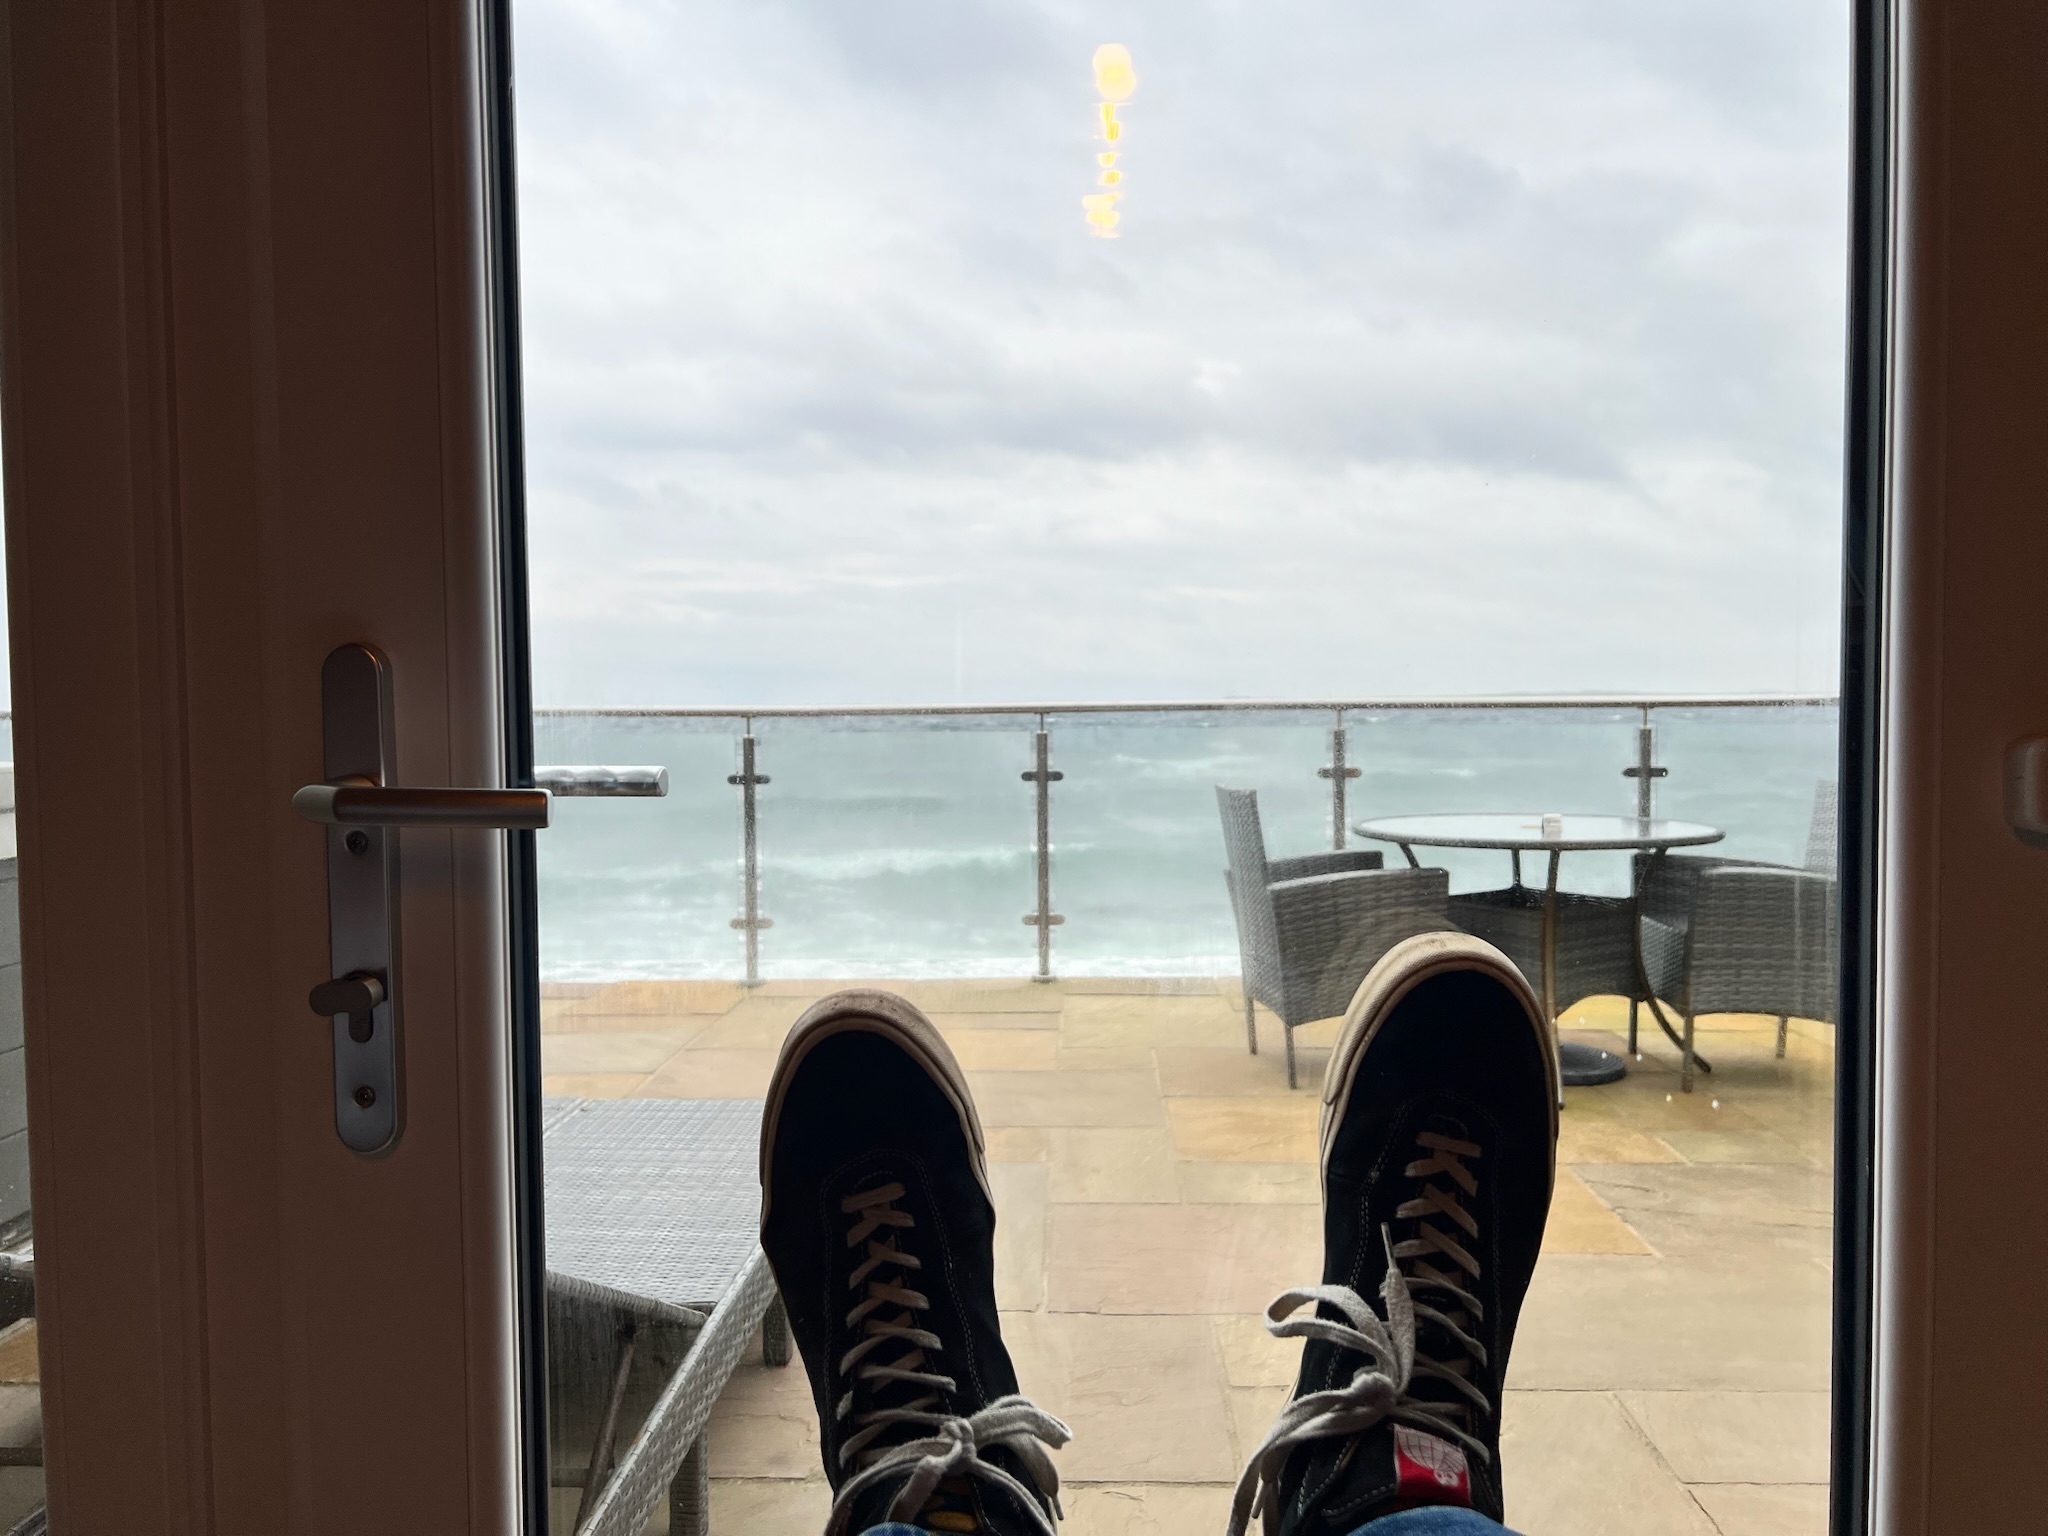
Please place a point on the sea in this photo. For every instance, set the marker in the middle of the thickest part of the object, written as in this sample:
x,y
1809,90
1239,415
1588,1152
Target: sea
x,y
905,846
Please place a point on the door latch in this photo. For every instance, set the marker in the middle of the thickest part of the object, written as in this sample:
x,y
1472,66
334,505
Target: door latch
x,y
362,810
353,997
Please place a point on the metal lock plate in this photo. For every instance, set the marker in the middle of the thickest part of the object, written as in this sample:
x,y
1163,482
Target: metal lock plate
x,y
362,901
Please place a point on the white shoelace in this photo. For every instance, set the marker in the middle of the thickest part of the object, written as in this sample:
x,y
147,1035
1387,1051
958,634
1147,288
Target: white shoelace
x,y
1378,1390
952,1445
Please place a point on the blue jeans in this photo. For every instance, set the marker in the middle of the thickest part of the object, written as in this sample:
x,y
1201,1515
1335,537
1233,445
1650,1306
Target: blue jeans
x,y
1439,1520
1444,1521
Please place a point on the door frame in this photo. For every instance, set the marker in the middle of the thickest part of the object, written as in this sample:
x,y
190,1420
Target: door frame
x,y
1960,1385
522,875
1868,335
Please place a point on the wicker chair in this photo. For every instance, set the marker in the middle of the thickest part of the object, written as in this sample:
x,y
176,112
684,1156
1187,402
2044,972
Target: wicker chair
x,y
1595,953
1736,936
1309,928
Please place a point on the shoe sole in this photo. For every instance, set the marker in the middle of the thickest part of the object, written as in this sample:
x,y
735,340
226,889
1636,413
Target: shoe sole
x,y
1399,971
904,1026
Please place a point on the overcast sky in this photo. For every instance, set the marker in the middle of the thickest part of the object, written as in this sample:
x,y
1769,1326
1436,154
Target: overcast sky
x,y
1451,348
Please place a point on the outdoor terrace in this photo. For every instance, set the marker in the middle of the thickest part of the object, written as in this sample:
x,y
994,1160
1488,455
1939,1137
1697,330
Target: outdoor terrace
x,y
1156,1187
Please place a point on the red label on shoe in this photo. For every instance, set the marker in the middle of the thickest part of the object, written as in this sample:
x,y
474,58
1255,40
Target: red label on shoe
x,y
1428,1470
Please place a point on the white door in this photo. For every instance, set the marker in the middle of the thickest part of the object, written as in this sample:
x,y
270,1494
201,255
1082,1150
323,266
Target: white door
x,y
251,415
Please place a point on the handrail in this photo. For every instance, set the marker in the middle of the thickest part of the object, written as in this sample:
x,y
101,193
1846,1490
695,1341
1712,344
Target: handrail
x,y
1195,706
1192,706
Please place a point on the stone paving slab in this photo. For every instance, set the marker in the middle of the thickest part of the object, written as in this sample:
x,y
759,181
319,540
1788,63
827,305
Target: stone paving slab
x,y
1156,1183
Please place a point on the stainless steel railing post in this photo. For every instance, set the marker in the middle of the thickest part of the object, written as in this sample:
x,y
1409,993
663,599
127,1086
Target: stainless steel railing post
x,y
1339,775
1646,773
1645,770
1043,776
750,921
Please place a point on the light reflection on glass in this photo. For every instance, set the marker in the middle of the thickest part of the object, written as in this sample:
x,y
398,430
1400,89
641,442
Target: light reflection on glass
x,y
1115,80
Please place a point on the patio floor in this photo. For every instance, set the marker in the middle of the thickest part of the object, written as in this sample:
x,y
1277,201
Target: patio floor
x,y
1156,1188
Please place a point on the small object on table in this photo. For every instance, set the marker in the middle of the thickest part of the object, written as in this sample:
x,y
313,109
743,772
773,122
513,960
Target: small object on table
x,y
1518,832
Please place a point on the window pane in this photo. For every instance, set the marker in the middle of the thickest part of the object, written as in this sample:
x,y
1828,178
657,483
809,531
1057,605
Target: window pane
x,y
965,441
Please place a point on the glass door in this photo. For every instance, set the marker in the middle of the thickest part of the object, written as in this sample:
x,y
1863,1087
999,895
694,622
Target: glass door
x,y
1006,487
972,457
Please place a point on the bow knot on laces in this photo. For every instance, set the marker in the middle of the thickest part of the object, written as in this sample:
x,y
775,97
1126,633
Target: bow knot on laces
x,y
1377,1392
894,1385
953,1449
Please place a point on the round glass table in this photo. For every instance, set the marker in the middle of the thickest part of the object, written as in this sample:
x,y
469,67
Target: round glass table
x,y
1517,833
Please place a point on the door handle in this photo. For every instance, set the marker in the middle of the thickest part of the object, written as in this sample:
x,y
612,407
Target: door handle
x,y
362,811
359,802
604,783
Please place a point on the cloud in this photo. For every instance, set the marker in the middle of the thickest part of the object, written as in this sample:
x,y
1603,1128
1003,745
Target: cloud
x,y
1462,348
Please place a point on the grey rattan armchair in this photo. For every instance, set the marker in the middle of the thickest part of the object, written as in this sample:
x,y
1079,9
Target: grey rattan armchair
x,y
1736,936
1309,928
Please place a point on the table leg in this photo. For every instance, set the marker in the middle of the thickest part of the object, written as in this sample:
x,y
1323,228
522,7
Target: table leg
x,y
1578,1065
607,1429
689,1494
1688,1057
1550,945
775,1340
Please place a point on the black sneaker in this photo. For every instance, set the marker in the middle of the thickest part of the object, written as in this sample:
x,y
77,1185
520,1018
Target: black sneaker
x,y
1439,1144
877,1218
